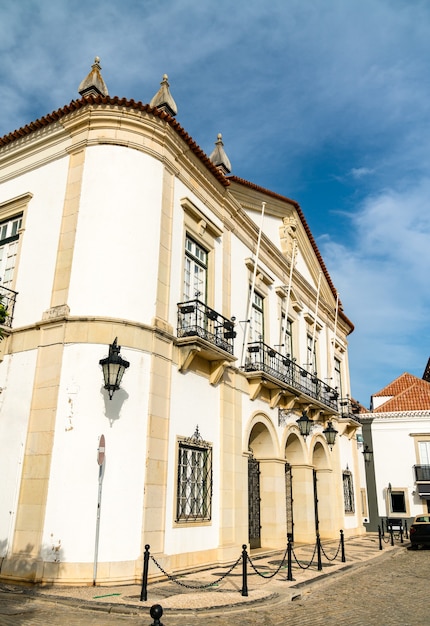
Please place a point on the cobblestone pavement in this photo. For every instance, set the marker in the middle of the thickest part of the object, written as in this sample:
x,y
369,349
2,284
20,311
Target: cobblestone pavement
x,y
389,590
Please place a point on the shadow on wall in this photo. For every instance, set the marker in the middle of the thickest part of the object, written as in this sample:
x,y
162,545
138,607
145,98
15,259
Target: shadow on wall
x,y
113,407
24,568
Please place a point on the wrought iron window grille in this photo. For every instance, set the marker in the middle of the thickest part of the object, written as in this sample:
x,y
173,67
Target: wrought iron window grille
x,y
194,489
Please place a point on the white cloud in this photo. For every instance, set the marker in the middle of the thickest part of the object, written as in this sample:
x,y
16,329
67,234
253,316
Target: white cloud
x,y
382,278
360,172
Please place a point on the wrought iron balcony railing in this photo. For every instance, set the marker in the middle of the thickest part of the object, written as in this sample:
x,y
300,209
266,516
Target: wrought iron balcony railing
x,y
263,358
7,305
195,318
422,472
349,408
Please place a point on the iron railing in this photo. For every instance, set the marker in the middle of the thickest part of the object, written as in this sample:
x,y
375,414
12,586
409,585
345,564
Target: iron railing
x,y
263,358
349,408
422,472
7,305
195,318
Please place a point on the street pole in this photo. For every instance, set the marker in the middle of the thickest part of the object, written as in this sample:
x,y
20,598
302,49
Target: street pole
x,y
101,463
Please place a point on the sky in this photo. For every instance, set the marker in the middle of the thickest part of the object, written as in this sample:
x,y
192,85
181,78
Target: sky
x,y
323,101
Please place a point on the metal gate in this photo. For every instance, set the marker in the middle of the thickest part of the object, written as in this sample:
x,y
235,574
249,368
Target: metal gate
x,y
289,501
254,503
317,522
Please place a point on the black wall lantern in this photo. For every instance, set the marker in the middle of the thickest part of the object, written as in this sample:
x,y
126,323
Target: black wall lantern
x,y
304,424
368,454
113,367
330,435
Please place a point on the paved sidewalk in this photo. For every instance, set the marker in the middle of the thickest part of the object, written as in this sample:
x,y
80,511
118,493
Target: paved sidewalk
x,y
209,589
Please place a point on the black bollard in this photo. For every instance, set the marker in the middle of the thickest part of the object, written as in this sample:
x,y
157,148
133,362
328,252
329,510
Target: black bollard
x,y
319,552
342,546
244,572
380,537
144,591
406,530
401,531
156,611
391,535
289,562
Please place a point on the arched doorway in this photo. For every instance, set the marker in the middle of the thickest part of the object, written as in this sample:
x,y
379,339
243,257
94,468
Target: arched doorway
x,y
260,474
322,490
296,471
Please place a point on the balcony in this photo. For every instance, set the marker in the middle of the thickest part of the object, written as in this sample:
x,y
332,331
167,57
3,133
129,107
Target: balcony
x,y
205,332
278,371
422,473
7,306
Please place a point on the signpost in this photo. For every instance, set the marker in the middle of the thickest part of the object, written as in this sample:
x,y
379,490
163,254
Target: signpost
x,y
101,463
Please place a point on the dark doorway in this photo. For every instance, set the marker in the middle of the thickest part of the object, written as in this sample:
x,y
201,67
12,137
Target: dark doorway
x,y
289,501
254,520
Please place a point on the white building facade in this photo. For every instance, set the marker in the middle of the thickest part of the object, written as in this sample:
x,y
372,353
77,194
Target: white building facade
x,y
115,224
397,431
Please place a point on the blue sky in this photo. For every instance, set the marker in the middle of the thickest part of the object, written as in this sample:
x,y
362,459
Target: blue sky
x,y
324,101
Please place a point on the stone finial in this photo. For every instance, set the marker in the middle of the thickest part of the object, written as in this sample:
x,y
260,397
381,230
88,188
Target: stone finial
x,y
93,84
219,157
163,98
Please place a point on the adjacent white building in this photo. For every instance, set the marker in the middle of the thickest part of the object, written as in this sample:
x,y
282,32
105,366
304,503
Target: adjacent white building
x,y
397,431
118,230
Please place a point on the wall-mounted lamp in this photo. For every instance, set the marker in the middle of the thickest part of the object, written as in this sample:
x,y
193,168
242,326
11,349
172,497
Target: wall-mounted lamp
x,y
368,454
330,435
113,367
304,424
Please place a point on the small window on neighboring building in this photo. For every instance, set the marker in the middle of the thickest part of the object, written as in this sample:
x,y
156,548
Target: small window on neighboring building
x,y
398,504
348,492
194,488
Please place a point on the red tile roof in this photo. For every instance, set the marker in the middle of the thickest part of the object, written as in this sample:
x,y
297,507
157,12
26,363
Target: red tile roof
x,y
56,116
406,393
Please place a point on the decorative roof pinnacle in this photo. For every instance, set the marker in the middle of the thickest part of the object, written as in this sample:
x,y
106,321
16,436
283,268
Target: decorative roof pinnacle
x,y
219,157
93,84
163,98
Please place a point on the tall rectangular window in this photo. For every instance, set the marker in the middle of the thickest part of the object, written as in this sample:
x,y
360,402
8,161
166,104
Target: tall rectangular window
x,y
9,235
195,271
194,490
286,339
348,492
311,363
257,318
424,451
337,382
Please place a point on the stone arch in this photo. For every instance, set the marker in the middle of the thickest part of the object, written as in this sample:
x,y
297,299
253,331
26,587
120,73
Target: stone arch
x,y
260,437
266,513
323,486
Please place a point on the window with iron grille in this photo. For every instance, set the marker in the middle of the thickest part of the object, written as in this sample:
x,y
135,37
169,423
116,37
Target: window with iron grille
x,y
348,492
194,491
